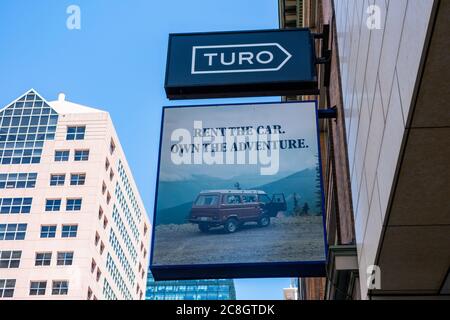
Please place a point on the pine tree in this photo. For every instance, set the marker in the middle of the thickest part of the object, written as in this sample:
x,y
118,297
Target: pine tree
x,y
296,210
318,192
305,209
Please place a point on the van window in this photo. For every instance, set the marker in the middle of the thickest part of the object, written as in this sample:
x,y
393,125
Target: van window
x,y
263,198
232,199
249,198
205,200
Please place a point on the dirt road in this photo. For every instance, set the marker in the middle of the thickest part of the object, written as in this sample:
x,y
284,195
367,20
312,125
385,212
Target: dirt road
x,y
286,239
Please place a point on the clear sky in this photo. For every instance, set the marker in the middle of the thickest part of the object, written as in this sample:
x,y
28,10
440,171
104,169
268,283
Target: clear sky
x,y
116,62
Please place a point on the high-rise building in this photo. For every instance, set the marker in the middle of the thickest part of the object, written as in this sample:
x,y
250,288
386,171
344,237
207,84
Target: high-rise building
x,y
72,223
221,289
385,156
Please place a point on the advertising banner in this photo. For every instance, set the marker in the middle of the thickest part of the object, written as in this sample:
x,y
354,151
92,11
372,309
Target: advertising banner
x,y
239,192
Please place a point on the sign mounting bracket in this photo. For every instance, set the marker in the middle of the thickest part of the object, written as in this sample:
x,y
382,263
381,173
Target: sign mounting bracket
x,y
325,58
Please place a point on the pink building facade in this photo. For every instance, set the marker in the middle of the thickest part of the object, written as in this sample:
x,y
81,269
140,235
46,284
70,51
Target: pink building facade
x,y
72,223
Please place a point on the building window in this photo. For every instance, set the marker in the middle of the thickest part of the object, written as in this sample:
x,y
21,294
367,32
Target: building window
x,y
100,213
43,259
26,124
106,164
15,205
60,287
145,229
13,231
48,231
69,231
62,155
77,179
73,204
7,288
64,259
57,179
10,259
111,175
89,295
97,238
76,133
17,180
108,198
93,265
81,155
99,274
37,288
103,188
53,205
112,146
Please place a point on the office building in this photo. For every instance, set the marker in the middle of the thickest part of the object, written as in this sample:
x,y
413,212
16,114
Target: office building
x,y
385,156
72,223
222,289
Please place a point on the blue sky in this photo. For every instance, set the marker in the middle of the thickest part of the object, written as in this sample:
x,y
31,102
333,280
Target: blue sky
x,y
116,62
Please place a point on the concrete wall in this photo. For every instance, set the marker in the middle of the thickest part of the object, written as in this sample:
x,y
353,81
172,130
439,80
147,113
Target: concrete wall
x,y
379,70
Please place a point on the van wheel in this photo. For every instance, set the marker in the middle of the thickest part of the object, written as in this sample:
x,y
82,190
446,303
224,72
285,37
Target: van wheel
x,y
231,225
264,221
203,227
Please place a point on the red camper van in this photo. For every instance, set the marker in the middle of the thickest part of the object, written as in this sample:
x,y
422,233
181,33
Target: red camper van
x,y
233,208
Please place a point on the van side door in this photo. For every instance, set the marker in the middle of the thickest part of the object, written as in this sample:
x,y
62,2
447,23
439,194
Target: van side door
x,y
278,203
251,206
231,206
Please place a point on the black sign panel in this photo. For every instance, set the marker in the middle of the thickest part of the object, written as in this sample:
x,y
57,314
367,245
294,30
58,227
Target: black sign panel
x,y
244,63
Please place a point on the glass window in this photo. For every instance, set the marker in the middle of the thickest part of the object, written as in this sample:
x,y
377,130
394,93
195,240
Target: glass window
x,y
233,199
62,155
10,259
13,231
53,205
15,205
76,133
37,288
249,198
263,198
64,259
17,180
48,231
57,179
205,200
60,287
73,204
43,259
7,288
69,231
25,126
81,155
77,179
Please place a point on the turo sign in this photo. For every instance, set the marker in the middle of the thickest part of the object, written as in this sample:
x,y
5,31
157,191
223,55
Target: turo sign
x,y
258,57
248,63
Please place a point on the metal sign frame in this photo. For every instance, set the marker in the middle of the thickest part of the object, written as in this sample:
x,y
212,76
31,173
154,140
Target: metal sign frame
x,y
242,270
225,88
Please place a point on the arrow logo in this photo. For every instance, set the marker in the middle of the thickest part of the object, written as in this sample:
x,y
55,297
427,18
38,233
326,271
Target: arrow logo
x,y
257,57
